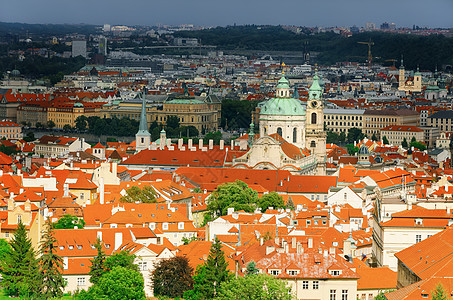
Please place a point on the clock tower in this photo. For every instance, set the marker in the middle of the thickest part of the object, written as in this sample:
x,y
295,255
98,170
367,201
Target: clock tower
x,y
315,136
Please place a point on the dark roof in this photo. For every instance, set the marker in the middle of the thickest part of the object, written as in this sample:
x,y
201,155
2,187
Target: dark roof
x,y
443,114
391,112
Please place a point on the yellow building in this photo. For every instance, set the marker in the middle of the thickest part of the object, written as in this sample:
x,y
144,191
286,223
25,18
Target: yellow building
x,y
341,120
409,84
375,120
202,112
66,112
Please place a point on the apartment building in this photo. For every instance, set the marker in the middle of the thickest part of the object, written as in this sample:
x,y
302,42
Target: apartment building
x,y
375,120
397,133
340,120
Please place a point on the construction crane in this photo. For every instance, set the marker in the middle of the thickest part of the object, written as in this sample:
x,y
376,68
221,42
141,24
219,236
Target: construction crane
x,y
392,60
370,57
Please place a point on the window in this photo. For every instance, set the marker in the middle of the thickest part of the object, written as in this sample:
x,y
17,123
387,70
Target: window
x,y
80,281
418,238
313,144
295,135
313,118
292,272
275,272
333,294
165,226
305,285
279,131
344,295
142,265
82,196
308,222
19,218
335,272
316,285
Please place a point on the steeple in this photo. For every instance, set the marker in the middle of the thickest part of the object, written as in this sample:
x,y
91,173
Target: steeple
x,y
251,133
283,86
143,137
143,127
402,62
315,90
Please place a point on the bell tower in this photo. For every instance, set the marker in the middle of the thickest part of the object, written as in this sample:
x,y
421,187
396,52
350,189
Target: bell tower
x,y
143,137
402,77
315,136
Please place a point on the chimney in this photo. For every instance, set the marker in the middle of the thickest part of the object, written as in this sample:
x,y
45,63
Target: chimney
x,y
114,168
189,144
261,241
101,190
180,143
293,242
326,253
230,210
332,251
299,249
65,263
99,235
310,242
27,205
118,239
211,144
222,144
232,145
66,190
11,204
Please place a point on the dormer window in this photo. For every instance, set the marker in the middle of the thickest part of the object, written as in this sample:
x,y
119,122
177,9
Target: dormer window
x,y
71,247
292,272
419,222
274,272
335,272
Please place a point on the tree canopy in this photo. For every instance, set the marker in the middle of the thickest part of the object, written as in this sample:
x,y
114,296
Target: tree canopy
x,y
260,286
271,199
172,277
232,194
69,222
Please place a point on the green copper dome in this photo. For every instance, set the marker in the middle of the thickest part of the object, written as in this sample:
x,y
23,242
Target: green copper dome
x,y
283,83
315,85
283,107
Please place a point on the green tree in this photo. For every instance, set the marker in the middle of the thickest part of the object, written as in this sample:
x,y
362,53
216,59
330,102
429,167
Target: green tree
x,y
67,127
374,137
342,137
172,122
123,259
404,143
29,137
51,265
418,145
81,123
380,296
135,194
172,277
352,149
19,268
39,125
261,286
439,293
385,140
187,241
355,134
251,269
210,275
271,199
69,222
4,249
50,124
97,268
118,284
413,139
291,204
232,194
215,136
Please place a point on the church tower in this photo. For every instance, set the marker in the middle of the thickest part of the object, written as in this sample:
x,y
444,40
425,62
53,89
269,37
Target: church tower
x,y
417,81
143,137
315,136
402,77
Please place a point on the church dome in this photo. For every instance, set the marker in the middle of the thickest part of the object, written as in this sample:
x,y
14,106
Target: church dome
x,y
78,105
283,107
364,150
283,83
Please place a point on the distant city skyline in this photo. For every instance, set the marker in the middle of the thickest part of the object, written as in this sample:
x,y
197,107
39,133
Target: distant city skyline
x,y
322,13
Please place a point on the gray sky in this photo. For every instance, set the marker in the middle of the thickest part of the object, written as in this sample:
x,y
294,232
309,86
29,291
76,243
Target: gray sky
x,y
431,13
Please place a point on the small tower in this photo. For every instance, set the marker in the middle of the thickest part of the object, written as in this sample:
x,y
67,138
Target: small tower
x,y
163,139
282,88
417,81
143,137
251,134
315,136
402,77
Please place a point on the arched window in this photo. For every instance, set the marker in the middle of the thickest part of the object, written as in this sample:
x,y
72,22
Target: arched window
x,y
279,131
295,135
313,118
312,144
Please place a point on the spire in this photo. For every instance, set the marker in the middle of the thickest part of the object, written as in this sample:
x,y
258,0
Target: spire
x,y
251,133
315,90
296,93
402,62
143,127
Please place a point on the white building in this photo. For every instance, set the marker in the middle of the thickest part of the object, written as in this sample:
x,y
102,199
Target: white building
x,y
79,47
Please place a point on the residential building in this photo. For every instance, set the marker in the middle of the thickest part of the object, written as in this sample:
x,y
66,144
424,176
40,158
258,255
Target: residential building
x,y
404,229
396,134
79,48
442,120
341,119
374,120
10,130
53,146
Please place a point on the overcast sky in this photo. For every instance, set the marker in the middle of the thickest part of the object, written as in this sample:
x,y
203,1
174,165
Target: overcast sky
x,y
431,13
